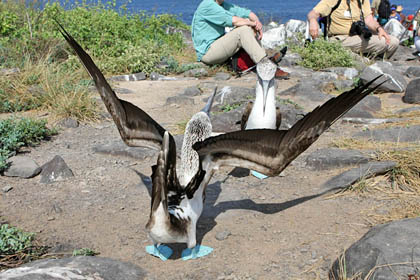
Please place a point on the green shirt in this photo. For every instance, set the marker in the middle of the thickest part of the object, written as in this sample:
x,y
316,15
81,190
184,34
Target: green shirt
x,y
209,22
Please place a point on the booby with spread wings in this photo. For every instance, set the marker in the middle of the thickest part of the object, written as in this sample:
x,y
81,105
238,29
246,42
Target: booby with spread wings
x,y
177,202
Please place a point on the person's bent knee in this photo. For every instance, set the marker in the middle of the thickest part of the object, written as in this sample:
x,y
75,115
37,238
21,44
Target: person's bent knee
x,y
394,42
246,29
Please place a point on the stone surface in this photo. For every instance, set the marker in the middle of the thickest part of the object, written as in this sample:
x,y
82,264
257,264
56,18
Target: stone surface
x,y
197,72
119,148
75,268
179,100
348,73
343,84
412,93
329,158
234,95
389,251
6,189
290,59
123,90
289,115
274,37
22,167
69,123
404,54
408,110
222,235
365,108
307,89
55,170
131,77
413,71
393,134
395,82
364,171
222,76
227,121
192,91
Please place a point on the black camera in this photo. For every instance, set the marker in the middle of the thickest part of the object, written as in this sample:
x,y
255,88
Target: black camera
x,y
360,28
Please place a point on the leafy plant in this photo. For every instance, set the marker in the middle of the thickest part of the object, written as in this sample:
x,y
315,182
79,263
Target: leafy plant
x,y
84,252
322,54
13,240
15,133
229,107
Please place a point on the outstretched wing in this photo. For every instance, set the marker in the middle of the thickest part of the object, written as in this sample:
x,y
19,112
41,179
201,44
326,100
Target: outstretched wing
x,y
136,127
270,151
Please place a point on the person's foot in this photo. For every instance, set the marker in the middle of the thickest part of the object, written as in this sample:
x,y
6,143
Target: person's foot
x,y
277,57
281,75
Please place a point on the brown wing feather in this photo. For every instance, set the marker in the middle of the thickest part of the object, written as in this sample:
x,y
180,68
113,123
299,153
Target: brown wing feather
x,y
270,151
136,127
246,113
278,117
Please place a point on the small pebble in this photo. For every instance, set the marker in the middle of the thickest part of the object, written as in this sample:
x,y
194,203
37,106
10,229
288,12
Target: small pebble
x,y
222,235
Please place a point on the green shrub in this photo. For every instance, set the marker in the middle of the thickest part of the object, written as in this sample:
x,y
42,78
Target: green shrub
x,y
13,240
15,133
322,54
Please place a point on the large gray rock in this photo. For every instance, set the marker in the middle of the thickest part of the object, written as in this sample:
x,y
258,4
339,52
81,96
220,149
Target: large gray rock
x,y
274,37
227,121
222,76
364,171
55,170
192,91
197,72
23,167
395,82
75,268
389,251
290,114
119,148
131,77
403,54
329,158
234,95
413,71
307,89
365,108
179,100
412,93
290,59
346,72
393,134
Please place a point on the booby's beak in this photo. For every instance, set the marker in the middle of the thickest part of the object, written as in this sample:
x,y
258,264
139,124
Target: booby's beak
x,y
265,85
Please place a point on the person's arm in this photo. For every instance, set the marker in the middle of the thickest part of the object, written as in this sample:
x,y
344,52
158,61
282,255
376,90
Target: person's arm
x,y
258,25
238,21
373,25
313,23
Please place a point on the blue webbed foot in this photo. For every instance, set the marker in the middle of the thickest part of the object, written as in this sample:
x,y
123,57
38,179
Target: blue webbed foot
x,y
258,175
197,252
163,252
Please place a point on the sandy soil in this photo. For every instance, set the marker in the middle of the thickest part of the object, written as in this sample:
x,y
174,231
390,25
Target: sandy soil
x,y
279,228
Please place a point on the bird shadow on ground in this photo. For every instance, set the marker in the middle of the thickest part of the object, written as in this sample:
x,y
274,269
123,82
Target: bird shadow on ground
x,y
212,209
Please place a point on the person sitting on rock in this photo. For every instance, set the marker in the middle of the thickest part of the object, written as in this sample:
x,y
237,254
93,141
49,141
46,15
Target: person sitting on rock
x,y
211,43
353,24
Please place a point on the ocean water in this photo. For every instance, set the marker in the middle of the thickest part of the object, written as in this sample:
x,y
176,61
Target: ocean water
x,y
277,10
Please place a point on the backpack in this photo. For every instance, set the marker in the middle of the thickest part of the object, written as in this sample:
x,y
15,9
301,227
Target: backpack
x,y
384,9
241,61
326,21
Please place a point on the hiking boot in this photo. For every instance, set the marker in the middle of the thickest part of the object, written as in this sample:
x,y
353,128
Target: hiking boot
x,y
276,58
281,75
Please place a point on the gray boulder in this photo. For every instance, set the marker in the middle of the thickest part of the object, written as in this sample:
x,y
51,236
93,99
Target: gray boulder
x,y
274,37
290,59
290,114
22,167
55,170
308,90
403,54
234,95
346,72
75,268
395,82
119,148
222,76
393,134
364,171
227,121
69,123
330,158
179,100
343,84
389,251
412,93
413,71
365,108
131,77
192,91
197,72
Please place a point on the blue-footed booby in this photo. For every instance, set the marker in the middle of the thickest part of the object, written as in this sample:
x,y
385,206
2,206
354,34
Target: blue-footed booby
x,y
263,113
177,202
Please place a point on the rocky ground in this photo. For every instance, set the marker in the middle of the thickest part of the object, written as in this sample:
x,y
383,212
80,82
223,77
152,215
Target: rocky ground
x,y
283,227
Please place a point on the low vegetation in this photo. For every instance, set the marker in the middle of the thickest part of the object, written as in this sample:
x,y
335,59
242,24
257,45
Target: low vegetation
x,y
49,74
15,133
17,247
321,54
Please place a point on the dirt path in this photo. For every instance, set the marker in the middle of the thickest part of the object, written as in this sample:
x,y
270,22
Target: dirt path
x,y
279,228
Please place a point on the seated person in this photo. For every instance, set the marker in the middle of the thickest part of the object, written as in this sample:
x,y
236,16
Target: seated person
x,y
394,14
341,21
211,43
399,12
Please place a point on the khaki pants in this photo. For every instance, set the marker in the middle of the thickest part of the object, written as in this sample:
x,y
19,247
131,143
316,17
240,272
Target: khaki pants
x,y
374,45
227,45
